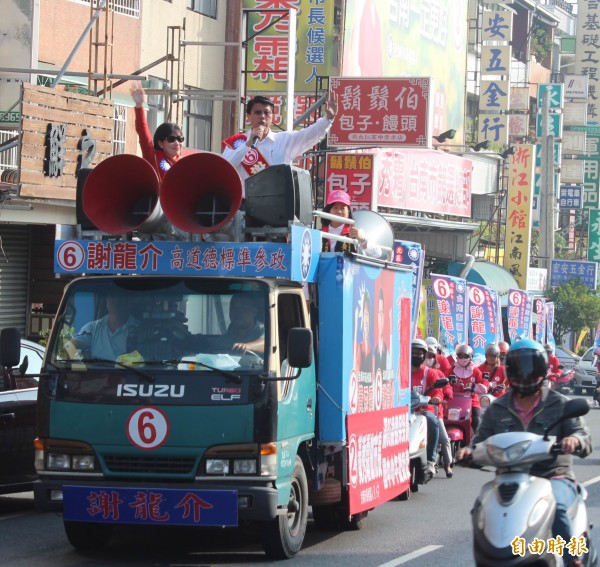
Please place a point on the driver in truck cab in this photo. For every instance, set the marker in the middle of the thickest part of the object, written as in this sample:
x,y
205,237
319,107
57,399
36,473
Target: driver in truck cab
x,y
246,331
107,338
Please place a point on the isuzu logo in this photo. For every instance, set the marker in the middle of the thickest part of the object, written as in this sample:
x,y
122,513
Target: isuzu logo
x,y
150,391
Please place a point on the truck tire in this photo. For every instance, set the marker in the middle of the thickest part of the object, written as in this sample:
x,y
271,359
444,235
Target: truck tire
x,y
88,536
283,537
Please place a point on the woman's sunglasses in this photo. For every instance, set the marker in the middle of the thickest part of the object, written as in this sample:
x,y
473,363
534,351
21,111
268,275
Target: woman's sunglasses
x,y
462,356
172,139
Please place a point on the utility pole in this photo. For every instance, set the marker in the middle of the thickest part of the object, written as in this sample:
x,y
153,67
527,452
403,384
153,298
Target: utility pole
x,y
547,190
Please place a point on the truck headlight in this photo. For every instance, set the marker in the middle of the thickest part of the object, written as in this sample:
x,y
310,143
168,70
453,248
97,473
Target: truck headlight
x,y
59,461
217,466
244,466
83,462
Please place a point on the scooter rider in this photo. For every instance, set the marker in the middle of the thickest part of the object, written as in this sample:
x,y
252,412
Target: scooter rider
x,y
530,406
468,377
422,378
554,370
448,394
503,346
442,363
495,370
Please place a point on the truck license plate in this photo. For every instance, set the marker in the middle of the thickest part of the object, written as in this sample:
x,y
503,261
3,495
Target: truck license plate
x,y
150,506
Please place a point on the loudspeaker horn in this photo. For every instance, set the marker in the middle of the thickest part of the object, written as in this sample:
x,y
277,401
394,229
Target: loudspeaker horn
x,y
377,230
201,193
121,195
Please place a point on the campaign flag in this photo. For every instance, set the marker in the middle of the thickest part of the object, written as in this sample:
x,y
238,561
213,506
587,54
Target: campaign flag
x,y
550,324
429,318
499,326
520,306
412,254
597,337
482,319
452,301
540,327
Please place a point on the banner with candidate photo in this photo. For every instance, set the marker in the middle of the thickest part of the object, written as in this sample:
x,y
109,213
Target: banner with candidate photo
x,y
519,308
483,319
452,302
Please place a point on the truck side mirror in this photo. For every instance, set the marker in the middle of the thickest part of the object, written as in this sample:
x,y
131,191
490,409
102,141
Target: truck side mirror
x,y
299,347
10,347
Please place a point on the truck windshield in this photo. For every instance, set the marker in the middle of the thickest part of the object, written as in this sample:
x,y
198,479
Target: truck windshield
x,y
181,324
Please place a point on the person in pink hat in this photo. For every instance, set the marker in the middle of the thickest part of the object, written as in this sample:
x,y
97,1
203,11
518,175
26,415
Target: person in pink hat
x,y
338,203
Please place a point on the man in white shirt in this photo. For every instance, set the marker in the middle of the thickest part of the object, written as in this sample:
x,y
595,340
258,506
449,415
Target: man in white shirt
x,y
259,147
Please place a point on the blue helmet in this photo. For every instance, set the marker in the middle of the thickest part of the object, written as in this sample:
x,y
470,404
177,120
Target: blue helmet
x,y
526,366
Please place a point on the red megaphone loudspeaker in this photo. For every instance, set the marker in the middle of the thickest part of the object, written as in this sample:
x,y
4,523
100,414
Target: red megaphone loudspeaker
x,y
201,193
121,194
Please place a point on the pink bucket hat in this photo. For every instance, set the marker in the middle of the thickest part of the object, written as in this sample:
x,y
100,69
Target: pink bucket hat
x,y
338,196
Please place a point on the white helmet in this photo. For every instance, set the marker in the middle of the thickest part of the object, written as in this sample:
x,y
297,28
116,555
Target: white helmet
x,y
432,344
419,343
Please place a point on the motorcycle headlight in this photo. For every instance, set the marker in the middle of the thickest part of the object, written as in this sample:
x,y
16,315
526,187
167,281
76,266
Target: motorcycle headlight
x,y
503,456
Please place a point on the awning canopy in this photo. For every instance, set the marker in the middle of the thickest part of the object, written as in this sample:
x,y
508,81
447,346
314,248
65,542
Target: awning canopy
x,y
488,274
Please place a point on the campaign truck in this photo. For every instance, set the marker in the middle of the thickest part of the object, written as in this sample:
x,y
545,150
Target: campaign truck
x,y
223,384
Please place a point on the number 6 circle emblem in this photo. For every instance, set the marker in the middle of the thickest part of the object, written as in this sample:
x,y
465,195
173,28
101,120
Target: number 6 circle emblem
x,y
147,428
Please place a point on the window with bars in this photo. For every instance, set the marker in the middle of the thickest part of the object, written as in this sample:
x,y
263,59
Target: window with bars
x,y
125,7
8,158
198,123
119,129
204,7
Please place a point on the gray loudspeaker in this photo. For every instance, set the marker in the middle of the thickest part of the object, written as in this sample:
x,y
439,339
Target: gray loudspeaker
x,y
277,194
377,229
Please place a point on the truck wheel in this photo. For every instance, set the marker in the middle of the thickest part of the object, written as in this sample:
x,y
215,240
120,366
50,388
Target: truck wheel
x,y
356,522
88,536
283,537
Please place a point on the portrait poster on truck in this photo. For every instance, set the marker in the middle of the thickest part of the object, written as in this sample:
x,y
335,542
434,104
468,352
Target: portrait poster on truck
x,y
364,375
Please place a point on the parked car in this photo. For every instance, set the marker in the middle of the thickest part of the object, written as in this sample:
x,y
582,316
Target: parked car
x,y
567,358
586,375
18,397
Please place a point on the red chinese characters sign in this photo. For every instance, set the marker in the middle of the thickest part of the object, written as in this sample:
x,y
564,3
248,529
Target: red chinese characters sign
x,y
352,173
381,111
428,181
518,214
378,463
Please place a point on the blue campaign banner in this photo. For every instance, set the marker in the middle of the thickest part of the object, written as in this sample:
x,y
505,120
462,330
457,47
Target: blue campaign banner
x,y
452,302
550,324
540,327
364,364
483,319
412,254
166,506
255,259
562,271
519,311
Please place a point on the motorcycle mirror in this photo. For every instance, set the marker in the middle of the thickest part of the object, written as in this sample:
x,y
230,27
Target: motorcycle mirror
x,y
573,408
439,383
452,379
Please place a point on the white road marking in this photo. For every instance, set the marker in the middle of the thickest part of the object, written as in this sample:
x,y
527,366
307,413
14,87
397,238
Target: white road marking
x,y
410,556
591,481
13,516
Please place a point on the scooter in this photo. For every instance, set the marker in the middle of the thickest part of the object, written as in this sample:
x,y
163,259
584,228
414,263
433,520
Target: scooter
x,y
564,383
516,508
417,439
458,418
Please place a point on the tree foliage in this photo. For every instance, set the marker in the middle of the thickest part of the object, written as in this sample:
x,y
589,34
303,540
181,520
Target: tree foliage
x,y
575,307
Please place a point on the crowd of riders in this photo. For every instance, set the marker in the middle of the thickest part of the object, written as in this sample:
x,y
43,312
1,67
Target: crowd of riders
x,y
428,363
